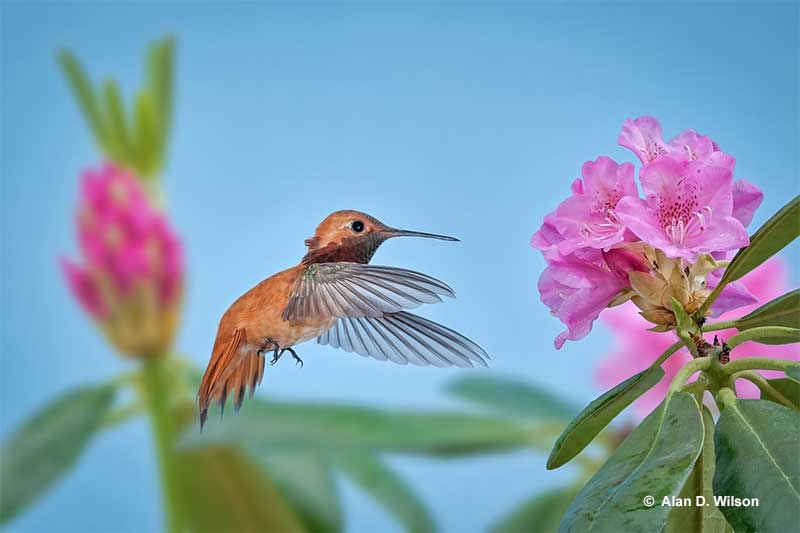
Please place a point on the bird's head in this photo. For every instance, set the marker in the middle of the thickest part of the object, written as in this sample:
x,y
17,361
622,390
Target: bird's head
x,y
353,236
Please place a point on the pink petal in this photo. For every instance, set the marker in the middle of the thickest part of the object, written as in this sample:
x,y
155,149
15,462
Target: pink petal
x,y
746,199
733,296
643,137
83,288
722,234
690,146
635,214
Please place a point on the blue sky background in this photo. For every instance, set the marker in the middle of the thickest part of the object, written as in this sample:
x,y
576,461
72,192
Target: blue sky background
x,y
470,120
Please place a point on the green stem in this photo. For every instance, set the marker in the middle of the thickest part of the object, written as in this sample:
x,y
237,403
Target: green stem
x,y
758,363
122,415
725,397
667,354
759,381
695,365
723,324
710,300
765,331
157,399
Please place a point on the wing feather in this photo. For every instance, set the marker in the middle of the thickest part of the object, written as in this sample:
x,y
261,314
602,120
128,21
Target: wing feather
x,y
404,338
358,290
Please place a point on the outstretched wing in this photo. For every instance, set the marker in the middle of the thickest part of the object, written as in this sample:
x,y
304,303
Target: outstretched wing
x,y
358,290
404,338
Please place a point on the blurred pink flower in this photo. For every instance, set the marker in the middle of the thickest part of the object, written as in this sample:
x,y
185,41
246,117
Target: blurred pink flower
x,y
635,348
131,279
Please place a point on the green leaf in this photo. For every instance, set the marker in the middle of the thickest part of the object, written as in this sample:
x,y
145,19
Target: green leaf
x,y
84,94
794,372
48,444
789,388
757,445
782,311
306,481
512,397
225,491
542,513
269,425
117,129
655,460
160,67
383,484
704,518
777,335
145,136
777,232
598,414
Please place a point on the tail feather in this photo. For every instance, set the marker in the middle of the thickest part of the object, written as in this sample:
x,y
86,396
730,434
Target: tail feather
x,y
233,367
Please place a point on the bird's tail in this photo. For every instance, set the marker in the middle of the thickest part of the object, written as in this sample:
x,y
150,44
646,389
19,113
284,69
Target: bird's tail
x,y
234,367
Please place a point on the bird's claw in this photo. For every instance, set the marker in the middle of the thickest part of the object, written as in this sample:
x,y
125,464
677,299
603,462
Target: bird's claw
x,y
296,357
279,352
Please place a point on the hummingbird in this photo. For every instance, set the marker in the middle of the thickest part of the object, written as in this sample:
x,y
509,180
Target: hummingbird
x,y
337,297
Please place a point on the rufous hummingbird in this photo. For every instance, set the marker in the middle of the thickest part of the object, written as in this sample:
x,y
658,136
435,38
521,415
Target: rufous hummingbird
x,y
335,295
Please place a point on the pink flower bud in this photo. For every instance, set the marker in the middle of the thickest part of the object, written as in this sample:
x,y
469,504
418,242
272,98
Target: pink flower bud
x,y
132,281
622,261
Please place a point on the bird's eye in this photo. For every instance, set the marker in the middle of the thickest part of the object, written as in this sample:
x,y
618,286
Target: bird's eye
x,y
357,226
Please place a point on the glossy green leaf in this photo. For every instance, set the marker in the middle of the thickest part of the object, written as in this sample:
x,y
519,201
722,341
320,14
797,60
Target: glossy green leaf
x,y
512,397
267,425
306,481
794,372
37,454
541,514
117,128
388,488
757,445
782,335
703,516
598,414
782,311
84,94
777,232
224,491
786,387
655,460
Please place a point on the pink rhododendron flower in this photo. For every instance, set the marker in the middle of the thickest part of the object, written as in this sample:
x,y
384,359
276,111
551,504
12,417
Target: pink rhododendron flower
x,y
587,219
131,280
644,138
576,290
688,210
635,348
693,214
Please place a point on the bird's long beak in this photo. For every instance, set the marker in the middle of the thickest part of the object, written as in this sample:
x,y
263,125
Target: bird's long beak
x,y
391,232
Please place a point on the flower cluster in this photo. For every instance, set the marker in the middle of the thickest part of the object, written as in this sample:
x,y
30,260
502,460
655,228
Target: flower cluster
x,y
605,244
131,280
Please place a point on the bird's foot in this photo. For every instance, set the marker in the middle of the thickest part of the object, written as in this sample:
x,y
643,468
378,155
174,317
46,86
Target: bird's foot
x,y
268,345
297,359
